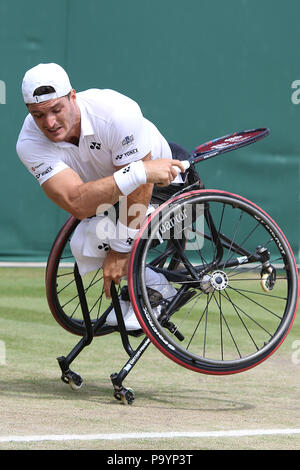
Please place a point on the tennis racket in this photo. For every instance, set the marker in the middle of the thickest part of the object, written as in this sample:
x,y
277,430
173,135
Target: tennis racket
x,y
227,143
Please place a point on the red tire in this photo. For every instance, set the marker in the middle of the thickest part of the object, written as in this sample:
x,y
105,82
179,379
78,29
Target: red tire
x,y
277,307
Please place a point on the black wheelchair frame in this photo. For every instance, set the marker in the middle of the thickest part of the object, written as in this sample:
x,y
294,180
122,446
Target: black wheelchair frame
x,y
98,327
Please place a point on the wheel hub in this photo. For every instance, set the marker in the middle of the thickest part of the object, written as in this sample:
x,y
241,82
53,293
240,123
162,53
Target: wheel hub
x,y
219,280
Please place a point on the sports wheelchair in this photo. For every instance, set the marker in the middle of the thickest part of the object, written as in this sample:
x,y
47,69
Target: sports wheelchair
x,y
234,272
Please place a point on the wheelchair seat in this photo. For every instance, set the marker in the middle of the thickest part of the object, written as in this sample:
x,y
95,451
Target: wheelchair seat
x,y
178,152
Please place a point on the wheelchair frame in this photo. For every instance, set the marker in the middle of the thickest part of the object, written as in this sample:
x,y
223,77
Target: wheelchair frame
x,y
72,378
98,326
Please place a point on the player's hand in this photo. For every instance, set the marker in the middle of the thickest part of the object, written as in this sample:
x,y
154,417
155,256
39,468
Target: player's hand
x,y
115,266
163,171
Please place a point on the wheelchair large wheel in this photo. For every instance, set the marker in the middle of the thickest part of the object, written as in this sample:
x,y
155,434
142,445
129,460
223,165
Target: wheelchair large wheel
x,y
235,277
62,294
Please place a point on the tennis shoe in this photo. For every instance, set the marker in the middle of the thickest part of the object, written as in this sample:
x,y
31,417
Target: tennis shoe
x,y
159,290
111,318
130,321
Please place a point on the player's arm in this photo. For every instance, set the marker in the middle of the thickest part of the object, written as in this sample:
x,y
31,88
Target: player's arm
x,y
81,199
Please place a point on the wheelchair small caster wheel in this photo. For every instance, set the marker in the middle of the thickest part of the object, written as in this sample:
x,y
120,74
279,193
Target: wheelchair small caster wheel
x,y
77,383
117,396
72,379
128,396
125,395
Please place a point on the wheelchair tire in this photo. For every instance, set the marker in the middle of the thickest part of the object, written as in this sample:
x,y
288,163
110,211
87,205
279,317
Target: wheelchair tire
x,y
236,280
62,295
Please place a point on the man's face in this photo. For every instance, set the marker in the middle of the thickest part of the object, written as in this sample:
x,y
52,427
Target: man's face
x,y
58,119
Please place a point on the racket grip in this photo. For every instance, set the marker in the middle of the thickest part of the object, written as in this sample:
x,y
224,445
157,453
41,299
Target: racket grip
x,y
185,164
178,179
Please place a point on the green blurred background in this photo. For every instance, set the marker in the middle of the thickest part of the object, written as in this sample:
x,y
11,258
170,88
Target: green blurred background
x,y
199,69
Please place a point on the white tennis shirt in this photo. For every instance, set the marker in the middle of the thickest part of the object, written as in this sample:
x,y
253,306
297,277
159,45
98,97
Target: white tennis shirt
x,y
113,133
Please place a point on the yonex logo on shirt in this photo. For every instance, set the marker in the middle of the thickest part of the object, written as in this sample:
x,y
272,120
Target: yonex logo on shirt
x,y
43,173
126,154
95,145
104,247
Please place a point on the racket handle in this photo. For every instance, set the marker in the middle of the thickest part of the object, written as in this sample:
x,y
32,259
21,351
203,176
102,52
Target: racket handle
x,y
185,164
178,179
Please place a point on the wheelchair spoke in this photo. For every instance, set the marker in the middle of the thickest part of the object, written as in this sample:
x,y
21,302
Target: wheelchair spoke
x,y
244,241
223,320
264,294
255,302
203,315
212,235
66,285
249,316
71,273
238,223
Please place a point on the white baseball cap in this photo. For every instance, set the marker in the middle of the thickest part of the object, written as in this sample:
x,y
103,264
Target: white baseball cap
x,y
51,75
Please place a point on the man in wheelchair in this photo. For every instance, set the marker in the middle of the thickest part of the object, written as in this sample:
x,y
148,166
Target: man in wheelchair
x,y
90,151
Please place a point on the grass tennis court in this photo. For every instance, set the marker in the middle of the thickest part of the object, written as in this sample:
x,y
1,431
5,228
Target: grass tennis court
x,y
34,401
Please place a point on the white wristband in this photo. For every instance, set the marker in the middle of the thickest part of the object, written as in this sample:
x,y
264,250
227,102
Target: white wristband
x,y
125,237
129,178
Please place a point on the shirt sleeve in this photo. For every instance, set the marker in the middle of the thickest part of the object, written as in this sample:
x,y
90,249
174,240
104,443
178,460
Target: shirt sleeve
x,y
41,162
128,135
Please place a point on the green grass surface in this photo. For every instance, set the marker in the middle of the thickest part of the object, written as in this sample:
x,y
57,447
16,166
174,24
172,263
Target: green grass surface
x,y
33,399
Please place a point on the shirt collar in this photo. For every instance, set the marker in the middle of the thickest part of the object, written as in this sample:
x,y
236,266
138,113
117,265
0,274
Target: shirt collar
x,y
86,126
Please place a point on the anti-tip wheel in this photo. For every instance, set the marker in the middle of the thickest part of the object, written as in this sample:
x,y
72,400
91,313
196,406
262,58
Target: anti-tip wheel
x,y
74,385
268,280
73,380
125,395
128,397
